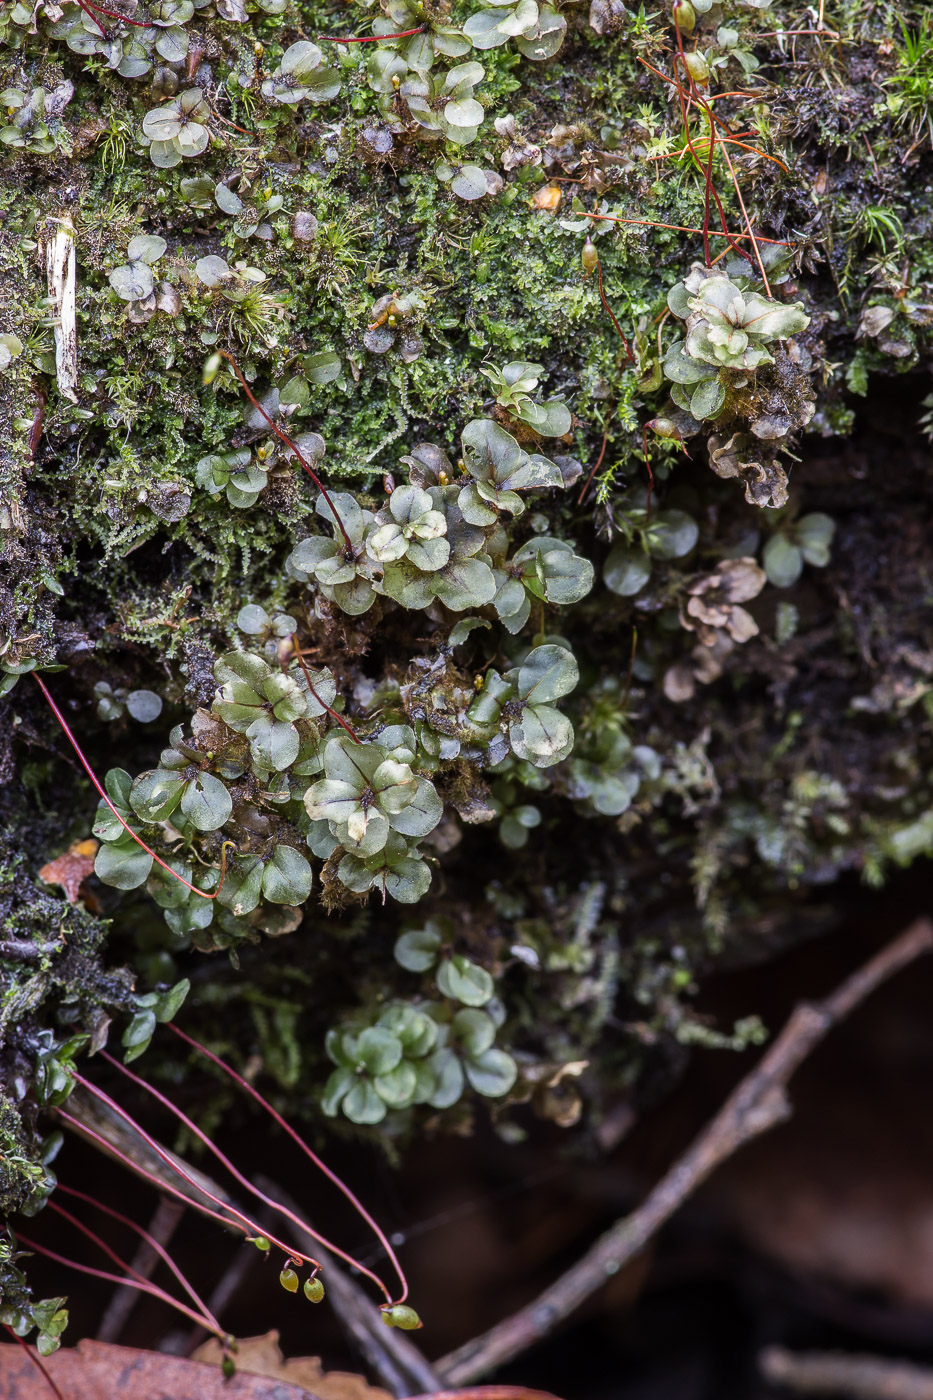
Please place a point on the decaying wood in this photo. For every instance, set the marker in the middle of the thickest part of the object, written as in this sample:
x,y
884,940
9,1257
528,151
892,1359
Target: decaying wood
x,y
62,282
757,1104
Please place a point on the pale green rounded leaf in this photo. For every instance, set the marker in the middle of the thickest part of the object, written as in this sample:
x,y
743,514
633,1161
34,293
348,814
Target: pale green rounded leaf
x,y
464,981
206,803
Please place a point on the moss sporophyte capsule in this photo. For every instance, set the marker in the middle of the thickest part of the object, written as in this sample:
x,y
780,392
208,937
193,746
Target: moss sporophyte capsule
x,y
401,1315
589,256
313,1290
289,1280
684,16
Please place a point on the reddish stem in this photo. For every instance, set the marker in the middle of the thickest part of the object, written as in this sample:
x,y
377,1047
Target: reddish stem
x,y
283,437
205,1318
138,839
150,1288
225,1161
330,710
683,228
321,1166
35,1361
147,1175
151,1241
598,463
371,38
248,1225
602,296
92,9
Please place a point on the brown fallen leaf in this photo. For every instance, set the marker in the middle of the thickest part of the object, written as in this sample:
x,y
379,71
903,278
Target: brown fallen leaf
x,y
97,1371
262,1356
71,869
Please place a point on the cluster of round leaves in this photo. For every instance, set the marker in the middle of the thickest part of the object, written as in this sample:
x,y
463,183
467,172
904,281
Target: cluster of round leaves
x,y
422,1052
437,540
130,49
728,331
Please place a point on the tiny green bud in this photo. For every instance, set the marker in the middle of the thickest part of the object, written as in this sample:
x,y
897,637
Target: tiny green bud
x,y
228,1368
401,1315
261,1242
211,368
589,257
314,1290
684,16
697,67
289,1280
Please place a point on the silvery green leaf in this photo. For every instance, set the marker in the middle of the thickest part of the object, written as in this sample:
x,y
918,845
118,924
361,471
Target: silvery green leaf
x,y
470,181
814,535
491,1074
354,598
677,300
543,736
242,888
335,1090
407,880
471,985
206,802
332,799
421,813
286,877
707,400
122,864
547,673
132,282
144,705
363,1105
397,1087
783,561
772,319
448,1077
378,1050
252,619
673,535
227,201
323,367
465,583
679,367
146,248
273,743
465,112
417,950
156,794
543,39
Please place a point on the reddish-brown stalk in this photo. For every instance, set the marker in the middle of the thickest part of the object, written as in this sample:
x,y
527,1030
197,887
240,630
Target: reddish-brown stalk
x,y
237,1216
332,712
283,437
371,38
138,839
158,1182
697,96
92,9
205,1317
150,1240
35,1361
35,431
684,228
629,357
254,1190
631,669
150,1288
321,1166
597,464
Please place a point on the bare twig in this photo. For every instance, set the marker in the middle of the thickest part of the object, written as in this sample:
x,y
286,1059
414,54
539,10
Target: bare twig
x,y
835,1373
396,1360
757,1104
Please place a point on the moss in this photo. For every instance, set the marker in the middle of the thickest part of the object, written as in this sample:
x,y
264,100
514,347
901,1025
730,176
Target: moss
x,y
717,785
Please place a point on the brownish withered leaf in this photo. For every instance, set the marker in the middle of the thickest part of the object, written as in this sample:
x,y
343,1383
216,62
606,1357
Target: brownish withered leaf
x,y
97,1371
71,869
